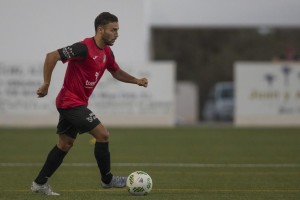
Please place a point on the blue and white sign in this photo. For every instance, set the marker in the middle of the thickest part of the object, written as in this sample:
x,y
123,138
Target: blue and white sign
x,y
267,93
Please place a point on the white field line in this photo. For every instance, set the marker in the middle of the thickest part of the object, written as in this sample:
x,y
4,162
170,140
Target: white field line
x,y
179,190
180,165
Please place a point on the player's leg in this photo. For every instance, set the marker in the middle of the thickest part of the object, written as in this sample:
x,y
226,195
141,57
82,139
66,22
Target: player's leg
x,y
53,161
101,152
102,156
55,158
67,135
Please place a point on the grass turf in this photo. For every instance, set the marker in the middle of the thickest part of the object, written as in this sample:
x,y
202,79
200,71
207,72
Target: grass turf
x,y
185,163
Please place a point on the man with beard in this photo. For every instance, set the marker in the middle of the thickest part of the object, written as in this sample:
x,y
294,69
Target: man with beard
x,y
87,61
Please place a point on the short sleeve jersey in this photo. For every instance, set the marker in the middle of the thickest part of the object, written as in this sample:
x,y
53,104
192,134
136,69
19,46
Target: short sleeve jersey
x,y
86,65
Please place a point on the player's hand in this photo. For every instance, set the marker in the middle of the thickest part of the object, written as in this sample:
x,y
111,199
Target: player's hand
x,y
142,82
43,90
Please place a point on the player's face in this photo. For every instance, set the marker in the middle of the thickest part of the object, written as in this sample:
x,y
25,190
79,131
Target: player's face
x,y
110,33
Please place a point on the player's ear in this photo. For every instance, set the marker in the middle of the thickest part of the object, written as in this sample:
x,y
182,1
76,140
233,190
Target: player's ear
x,y
100,28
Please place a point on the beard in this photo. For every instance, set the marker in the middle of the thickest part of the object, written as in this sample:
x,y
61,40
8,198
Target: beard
x,y
108,42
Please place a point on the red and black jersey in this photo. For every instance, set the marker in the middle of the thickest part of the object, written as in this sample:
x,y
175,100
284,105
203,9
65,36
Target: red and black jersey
x,y
86,65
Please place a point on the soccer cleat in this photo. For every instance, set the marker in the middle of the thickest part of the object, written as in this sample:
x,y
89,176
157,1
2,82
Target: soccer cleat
x,y
116,182
43,189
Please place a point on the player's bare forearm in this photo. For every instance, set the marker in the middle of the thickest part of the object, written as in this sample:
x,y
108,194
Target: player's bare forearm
x,y
127,78
123,76
49,64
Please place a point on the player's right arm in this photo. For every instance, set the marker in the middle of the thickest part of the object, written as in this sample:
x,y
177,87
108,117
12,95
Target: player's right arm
x,y
49,64
75,51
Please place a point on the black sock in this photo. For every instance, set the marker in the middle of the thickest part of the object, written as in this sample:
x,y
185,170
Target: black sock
x,y
54,159
102,156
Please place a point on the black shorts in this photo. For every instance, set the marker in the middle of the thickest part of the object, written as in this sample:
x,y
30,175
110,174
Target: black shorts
x,y
76,120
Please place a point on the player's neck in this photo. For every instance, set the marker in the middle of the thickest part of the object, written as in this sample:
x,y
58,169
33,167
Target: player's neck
x,y
99,42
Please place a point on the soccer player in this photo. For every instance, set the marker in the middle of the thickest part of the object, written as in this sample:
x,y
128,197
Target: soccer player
x,y
87,61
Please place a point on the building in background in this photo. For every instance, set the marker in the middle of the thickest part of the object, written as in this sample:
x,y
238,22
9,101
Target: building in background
x,y
21,66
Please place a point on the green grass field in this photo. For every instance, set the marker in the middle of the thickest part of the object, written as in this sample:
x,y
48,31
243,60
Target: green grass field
x,y
206,163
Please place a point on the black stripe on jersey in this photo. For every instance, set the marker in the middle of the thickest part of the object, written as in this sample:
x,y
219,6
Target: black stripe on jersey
x,y
75,50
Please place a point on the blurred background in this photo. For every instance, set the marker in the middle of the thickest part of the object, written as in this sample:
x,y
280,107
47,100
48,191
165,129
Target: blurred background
x,y
206,60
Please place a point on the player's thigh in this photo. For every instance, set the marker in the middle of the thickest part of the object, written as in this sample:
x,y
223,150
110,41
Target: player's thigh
x,y
100,133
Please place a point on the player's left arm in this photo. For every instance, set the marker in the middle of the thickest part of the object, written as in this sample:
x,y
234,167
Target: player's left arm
x,y
123,76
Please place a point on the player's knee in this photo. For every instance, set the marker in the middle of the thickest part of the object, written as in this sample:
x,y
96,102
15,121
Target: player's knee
x,y
65,143
104,137
65,146
100,133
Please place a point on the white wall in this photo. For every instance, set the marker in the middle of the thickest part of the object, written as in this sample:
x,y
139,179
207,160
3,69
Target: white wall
x,y
187,101
114,103
31,28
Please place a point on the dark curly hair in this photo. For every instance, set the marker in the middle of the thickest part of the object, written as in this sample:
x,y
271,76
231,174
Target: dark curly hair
x,y
104,18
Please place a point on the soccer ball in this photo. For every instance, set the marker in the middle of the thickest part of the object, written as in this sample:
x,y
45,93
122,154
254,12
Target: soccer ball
x,y
139,183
